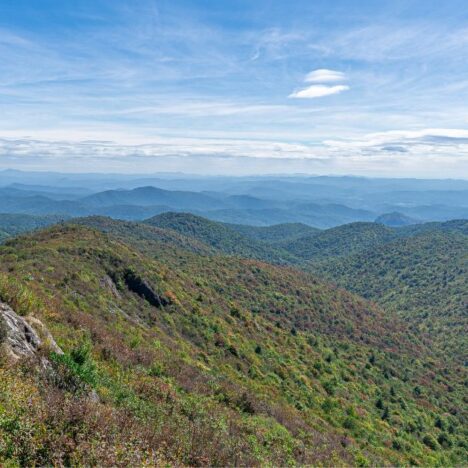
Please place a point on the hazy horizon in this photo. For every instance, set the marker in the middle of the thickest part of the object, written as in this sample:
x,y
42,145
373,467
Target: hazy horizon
x,y
221,175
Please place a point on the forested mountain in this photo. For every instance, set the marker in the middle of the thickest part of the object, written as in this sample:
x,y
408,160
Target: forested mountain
x,y
321,202
417,271
423,278
221,237
456,225
186,357
355,237
145,202
338,241
274,233
145,236
396,219
13,224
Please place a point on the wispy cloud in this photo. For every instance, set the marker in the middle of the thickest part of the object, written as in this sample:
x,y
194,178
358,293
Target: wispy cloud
x,y
274,44
454,138
392,41
427,152
316,91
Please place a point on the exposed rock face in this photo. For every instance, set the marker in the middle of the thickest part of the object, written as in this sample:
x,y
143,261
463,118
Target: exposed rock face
x,y
143,289
20,338
107,282
44,334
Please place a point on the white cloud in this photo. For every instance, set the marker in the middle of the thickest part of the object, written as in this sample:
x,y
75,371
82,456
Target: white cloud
x,y
316,91
436,152
323,75
408,140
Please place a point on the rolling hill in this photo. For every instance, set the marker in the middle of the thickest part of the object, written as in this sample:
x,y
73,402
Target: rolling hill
x,y
221,237
396,219
423,278
352,238
417,271
341,240
146,237
324,215
14,224
183,357
321,201
274,233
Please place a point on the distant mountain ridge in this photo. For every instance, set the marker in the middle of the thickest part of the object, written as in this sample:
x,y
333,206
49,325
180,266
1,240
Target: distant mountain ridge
x,y
396,219
144,202
14,224
321,202
148,196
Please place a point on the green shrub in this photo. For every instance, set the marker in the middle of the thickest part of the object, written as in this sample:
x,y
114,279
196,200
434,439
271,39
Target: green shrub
x,y
430,442
444,440
349,423
361,460
22,300
385,414
75,371
330,386
439,422
328,405
399,444
156,370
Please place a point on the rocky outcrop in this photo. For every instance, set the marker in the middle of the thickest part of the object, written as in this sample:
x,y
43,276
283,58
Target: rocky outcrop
x,y
47,340
23,337
107,283
143,289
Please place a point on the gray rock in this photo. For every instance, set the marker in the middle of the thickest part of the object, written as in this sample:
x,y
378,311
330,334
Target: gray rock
x,y
44,334
107,282
20,338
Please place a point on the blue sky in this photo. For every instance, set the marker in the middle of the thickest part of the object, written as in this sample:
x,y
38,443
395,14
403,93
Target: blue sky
x,y
240,87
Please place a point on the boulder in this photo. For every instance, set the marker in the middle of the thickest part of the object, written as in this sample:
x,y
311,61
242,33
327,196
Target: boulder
x,y
23,337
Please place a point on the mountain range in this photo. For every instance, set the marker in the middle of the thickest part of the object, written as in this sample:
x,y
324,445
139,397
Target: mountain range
x,y
321,202
175,339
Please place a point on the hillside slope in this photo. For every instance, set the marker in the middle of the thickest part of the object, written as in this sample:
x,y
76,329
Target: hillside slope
x,y
423,278
418,272
220,237
147,238
176,357
341,240
274,233
357,237
14,224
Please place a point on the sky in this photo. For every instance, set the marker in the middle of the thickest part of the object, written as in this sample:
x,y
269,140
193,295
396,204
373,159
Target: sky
x,y
365,87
